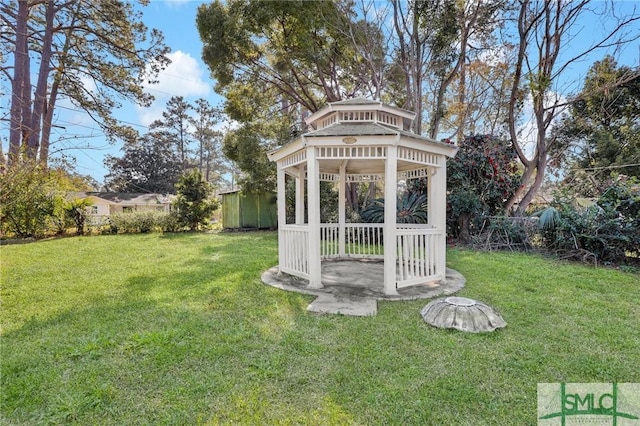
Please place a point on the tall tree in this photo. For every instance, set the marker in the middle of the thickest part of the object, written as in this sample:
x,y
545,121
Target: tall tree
x,y
545,30
601,130
148,164
175,123
433,40
294,47
275,62
93,53
209,155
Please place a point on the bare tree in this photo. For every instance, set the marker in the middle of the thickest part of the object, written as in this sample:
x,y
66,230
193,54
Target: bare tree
x,y
411,58
545,30
433,39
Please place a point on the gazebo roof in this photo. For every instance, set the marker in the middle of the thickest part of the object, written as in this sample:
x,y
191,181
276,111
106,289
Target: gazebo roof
x,y
360,104
352,129
358,130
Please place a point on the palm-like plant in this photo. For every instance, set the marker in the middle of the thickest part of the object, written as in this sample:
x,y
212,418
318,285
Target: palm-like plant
x,y
548,218
411,208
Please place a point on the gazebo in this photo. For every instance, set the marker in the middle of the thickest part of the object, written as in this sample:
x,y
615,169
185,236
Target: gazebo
x,y
359,140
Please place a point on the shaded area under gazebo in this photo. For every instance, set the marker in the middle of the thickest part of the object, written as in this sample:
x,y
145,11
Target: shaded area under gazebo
x,y
353,287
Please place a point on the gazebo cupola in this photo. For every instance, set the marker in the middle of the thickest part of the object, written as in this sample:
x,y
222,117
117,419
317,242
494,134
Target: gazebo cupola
x,y
359,140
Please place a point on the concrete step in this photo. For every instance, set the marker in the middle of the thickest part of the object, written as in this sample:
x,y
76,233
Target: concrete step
x,y
354,306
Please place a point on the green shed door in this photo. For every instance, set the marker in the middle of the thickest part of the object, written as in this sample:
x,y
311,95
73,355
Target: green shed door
x,y
249,211
231,210
268,211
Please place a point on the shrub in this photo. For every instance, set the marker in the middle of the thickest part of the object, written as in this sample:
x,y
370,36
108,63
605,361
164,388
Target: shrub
x,y
170,223
137,222
506,233
76,211
609,229
193,204
59,221
480,179
28,200
411,208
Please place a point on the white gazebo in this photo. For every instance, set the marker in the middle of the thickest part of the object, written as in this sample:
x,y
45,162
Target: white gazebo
x,y
359,140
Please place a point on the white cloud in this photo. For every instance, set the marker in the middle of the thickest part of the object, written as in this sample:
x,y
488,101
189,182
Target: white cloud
x,y
182,77
146,116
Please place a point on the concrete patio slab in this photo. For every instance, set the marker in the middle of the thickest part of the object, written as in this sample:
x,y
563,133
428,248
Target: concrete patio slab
x,y
354,306
353,287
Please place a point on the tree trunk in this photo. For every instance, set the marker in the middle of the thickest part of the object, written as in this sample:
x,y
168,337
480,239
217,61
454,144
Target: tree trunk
x,y
352,196
463,225
20,86
40,95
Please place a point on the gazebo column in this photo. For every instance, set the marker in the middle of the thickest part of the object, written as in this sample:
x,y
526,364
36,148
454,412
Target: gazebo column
x,y
437,211
300,195
390,248
313,193
282,214
342,195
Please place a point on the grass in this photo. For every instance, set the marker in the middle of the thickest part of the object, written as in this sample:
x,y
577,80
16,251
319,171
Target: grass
x,y
179,329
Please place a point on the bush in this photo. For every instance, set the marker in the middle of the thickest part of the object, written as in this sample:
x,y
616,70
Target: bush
x,y
76,212
193,203
28,198
506,233
608,230
411,208
59,222
170,223
138,222
480,179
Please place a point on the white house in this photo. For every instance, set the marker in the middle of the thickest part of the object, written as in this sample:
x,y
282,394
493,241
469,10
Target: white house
x,y
104,204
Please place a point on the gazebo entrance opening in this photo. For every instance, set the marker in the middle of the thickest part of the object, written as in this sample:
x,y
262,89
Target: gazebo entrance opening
x,y
358,141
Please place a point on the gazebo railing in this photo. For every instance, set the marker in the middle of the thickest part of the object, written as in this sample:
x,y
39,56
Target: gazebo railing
x,y
416,245
295,246
417,258
329,237
361,240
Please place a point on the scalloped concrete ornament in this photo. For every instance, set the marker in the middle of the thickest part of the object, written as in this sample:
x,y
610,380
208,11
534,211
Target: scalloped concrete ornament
x,y
462,314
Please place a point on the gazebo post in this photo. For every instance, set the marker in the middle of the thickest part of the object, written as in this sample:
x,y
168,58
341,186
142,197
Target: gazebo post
x,y
437,187
282,214
390,189
300,195
313,193
342,194
431,205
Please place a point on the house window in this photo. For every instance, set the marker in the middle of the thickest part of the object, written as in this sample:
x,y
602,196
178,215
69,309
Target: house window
x,y
159,208
127,209
92,210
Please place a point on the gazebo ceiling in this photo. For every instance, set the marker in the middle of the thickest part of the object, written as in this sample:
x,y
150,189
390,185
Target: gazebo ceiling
x,y
363,166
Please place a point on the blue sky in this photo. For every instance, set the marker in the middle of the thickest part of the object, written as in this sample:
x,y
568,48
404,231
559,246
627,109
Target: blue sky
x,y
188,76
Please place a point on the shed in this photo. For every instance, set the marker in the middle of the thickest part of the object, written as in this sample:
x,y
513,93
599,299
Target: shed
x,y
252,210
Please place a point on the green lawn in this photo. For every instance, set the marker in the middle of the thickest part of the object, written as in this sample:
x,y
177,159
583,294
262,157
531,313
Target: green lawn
x,y
179,329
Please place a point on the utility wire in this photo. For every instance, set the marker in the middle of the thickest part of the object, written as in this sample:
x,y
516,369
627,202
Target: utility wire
x,y
609,167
